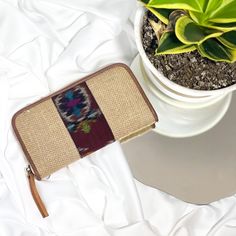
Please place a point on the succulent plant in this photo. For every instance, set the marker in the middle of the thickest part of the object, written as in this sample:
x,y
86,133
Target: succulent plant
x,y
208,26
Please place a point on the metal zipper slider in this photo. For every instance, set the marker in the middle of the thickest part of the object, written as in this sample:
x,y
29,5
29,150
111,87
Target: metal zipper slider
x,y
37,199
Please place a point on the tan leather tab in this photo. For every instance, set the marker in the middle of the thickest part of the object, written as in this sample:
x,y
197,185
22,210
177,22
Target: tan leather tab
x,y
37,199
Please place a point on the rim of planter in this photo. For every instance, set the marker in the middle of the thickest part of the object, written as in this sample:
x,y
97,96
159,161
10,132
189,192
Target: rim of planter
x,y
174,86
177,103
158,85
154,93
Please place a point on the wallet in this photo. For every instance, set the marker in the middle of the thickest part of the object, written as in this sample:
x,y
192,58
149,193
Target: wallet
x,y
80,119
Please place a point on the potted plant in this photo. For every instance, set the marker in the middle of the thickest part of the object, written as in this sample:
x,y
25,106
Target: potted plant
x,y
188,48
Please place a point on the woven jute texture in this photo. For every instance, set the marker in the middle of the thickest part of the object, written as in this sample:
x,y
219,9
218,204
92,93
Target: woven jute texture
x,y
121,102
46,138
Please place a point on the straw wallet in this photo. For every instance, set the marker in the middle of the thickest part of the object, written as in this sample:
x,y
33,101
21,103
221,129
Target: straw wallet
x,y
80,119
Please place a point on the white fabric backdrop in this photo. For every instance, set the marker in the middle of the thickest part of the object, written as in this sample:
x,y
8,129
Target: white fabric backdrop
x,y
44,45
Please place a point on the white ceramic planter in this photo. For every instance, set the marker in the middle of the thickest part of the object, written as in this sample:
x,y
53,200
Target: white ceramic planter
x,y
160,80
183,112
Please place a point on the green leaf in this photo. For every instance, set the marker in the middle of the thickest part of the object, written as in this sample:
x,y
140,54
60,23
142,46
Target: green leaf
x,y
226,12
204,4
144,1
192,5
189,32
228,39
161,14
208,6
224,27
213,5
169,44
215,50
196,16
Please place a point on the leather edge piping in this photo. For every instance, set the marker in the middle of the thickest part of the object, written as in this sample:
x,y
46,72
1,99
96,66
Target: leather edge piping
x,y
13,122
84,79
140,90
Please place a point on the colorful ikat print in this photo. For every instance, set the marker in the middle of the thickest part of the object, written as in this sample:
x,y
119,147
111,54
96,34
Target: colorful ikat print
x,y
83,119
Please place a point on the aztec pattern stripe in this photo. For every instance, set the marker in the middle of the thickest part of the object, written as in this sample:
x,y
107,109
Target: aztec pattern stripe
x,y
83,119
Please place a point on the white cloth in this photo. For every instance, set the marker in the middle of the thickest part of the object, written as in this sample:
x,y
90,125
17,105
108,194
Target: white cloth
x,y
44,45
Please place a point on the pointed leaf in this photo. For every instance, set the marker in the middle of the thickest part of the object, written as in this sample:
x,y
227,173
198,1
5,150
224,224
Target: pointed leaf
x,y
215,50
226,12
197,17
213,5
161,14
203,4
224,27
209,6
228,39
169,44
192,5
188,32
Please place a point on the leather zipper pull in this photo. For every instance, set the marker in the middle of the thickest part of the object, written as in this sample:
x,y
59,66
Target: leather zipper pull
x,y
35,193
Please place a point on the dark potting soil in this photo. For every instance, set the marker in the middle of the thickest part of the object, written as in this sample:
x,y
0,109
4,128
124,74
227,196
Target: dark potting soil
x,y
190,70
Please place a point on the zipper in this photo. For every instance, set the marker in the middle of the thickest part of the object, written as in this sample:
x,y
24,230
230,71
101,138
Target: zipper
x,y
37,199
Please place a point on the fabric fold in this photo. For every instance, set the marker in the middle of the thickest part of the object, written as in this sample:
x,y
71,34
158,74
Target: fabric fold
x,y
44,45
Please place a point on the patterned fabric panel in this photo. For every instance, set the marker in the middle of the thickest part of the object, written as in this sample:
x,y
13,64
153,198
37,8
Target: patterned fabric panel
x,y
83,119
